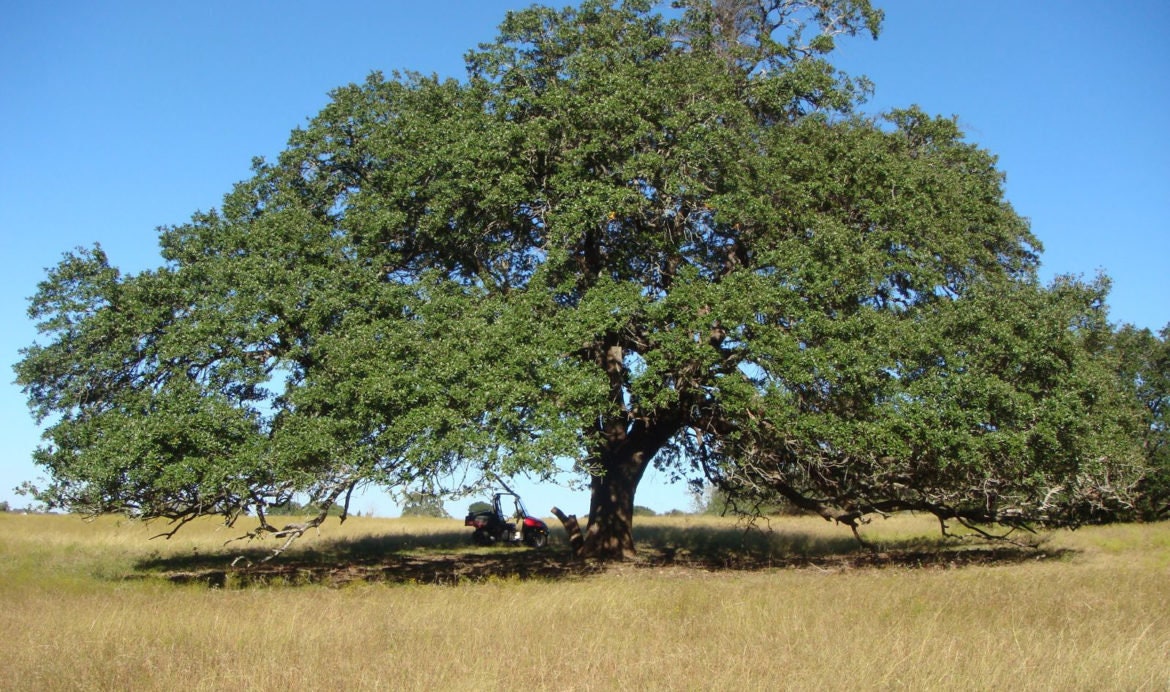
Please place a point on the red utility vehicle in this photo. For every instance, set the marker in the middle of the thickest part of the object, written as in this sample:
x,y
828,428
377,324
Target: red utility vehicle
x,y
493,526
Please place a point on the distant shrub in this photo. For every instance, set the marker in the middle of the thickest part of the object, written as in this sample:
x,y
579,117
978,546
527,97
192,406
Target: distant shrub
x,y
717,502
640,511
424,505
294,508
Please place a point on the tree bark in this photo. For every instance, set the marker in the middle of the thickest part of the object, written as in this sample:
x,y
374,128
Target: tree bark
x,y
572,529
610,535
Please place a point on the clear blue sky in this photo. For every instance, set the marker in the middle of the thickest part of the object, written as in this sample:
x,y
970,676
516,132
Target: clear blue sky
x,y
119,117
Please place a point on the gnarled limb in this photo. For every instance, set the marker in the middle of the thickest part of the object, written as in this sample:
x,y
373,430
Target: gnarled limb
x,y
572,528
291,532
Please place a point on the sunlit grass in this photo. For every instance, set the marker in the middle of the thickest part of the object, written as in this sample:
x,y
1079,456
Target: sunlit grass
x,y
84,607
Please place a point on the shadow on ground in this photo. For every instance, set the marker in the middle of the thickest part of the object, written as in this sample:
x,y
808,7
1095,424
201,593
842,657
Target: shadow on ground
x,y
446,558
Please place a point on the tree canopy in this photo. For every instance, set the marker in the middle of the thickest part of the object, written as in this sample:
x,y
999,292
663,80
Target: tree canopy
x,y
622,239
1144,366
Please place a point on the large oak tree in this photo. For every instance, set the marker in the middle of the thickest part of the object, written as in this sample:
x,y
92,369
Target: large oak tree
x,y
623,240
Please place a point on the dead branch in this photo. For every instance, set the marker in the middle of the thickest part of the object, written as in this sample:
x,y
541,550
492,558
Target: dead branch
x,y
572,528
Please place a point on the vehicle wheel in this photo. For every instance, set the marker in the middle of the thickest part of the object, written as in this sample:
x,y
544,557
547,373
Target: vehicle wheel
x,y
481,537
536,539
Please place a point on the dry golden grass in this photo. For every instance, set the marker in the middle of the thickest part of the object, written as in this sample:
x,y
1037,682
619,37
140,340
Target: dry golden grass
x,y
85,606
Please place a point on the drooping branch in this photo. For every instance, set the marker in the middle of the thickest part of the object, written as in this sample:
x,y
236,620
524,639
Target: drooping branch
x,y
291,532
817,490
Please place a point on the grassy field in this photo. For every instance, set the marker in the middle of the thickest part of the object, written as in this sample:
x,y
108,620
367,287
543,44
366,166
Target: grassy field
x,y
402,604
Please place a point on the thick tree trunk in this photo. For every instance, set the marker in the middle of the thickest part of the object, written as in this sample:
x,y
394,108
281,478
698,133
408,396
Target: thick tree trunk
x,y
626,446
610,533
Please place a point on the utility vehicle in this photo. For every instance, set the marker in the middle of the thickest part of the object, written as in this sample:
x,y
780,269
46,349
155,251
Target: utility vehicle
x,y
493,526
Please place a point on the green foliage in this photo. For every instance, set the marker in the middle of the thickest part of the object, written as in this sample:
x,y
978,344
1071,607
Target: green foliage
x,y
642,511
1144,366
623,239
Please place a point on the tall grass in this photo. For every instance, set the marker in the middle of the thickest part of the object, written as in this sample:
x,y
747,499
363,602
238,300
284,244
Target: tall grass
x,y
86,606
